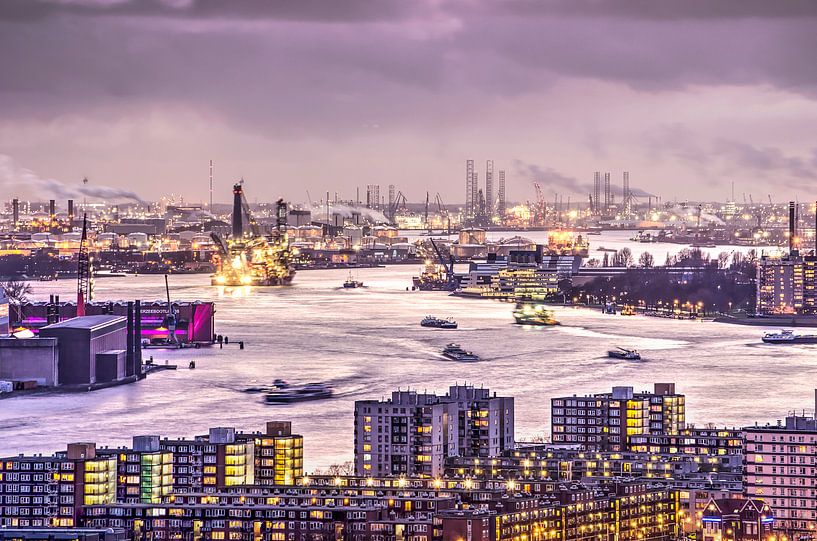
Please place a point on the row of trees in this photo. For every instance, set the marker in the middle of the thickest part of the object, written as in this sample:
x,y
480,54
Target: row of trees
x,y
687,257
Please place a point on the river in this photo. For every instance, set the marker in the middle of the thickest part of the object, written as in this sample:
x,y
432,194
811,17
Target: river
x,y
367,342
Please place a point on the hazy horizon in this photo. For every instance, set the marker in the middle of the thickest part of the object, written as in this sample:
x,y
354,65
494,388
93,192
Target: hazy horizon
x,y
330,96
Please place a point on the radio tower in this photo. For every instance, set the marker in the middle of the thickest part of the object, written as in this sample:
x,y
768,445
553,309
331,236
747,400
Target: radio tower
x,y
84,280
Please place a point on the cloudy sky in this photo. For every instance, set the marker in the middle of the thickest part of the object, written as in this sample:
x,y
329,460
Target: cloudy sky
x,y
328,95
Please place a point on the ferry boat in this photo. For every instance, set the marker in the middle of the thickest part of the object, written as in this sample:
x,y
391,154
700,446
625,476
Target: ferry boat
x,y
622,353
456,353
310,391
351,283
437,323
789,337
533,314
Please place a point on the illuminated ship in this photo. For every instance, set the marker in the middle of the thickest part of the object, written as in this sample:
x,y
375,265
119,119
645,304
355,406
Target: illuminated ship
x,y
566,243
533,314
249,258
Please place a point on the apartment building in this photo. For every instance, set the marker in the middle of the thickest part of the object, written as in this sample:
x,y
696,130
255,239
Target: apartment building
x,y
781,468
144,472
621,420
278,453
51,491
412,433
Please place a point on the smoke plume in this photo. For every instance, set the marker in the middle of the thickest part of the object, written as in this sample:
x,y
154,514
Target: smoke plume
x,y
13,176
347,211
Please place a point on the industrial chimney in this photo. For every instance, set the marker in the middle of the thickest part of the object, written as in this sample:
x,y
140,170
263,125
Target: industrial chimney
x,y
792,229
15,212
70,212
238,226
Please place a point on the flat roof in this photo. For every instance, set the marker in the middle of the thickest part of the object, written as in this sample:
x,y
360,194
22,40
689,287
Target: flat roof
x,y
86,322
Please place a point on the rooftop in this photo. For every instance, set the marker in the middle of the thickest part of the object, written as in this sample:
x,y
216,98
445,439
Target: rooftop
x,y
86,322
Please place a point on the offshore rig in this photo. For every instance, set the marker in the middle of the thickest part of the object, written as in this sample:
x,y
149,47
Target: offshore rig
x,y
248,257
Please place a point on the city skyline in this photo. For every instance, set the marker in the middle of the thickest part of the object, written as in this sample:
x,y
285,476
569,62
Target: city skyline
x,y
140,96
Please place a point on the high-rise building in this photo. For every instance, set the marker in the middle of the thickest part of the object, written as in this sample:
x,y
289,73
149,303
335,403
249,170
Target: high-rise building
x,y
489,188
620,420
279,454
780,468
412,433
780,284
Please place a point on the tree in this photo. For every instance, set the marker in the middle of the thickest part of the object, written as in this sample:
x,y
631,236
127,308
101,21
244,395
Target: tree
x,y
344,468
646,260
592,263
606,261
625,257
723,260
17,292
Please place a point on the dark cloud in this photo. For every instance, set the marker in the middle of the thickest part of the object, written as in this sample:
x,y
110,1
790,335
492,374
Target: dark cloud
x,y
284,10
554,181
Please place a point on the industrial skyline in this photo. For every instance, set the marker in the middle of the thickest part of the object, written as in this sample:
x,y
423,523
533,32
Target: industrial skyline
x,y
334,96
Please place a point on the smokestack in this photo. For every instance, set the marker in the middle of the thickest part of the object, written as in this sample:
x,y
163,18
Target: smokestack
x,y
70,211
15,212
238,226
52,209
792,228
137,340
129,346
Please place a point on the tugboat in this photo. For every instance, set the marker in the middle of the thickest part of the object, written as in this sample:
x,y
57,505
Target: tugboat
x,y
437,323
627,354
533,314
456,353
277,385
351,283
788,337
310,391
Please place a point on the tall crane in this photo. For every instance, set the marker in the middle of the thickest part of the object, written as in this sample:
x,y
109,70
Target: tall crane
x,y
85,281
443,211
398,203
425,217
540,204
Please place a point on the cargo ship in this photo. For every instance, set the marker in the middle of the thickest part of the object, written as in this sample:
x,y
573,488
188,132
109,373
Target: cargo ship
x,y
249,258
789,337
456,353
534,314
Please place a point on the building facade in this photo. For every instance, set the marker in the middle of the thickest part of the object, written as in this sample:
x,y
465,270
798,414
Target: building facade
x,y
412,433
620,420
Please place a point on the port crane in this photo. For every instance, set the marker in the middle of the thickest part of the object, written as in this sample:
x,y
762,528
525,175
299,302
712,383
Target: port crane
x,y
443,210
451,283
398,203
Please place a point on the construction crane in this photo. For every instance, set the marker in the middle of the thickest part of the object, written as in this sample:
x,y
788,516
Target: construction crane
x,y
443,211
398,203
425,217
448,266
540,204
85,280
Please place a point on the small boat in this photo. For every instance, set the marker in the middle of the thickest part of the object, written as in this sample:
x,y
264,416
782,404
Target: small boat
x,y
627,310
627,354
789,337
310,391
192,365
456,353
437,323
277,385
533,314
351,283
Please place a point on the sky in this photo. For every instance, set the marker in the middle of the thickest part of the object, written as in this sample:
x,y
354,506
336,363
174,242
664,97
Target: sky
x,y
301,97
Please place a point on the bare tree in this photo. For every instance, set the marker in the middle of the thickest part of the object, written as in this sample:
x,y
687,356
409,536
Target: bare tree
x,y
18,292
723,260
646,260
344,468
625,256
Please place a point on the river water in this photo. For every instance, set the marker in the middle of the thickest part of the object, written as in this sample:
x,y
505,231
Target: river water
x,y
367,342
